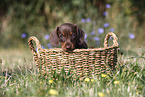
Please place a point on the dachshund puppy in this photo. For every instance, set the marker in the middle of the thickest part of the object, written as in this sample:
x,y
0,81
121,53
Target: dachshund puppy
x,y
69,35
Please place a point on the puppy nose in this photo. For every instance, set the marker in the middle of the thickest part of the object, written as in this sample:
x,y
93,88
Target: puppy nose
x,y
68,46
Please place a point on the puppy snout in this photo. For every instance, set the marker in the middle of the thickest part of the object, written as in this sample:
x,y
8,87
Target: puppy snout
x,y
68,46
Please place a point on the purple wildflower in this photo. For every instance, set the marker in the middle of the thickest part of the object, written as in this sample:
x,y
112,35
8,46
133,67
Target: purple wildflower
x,y
88,20
93,32
85,36
42,46
112,29
108,5
110,38
105,13
100,30
106,25
49,45
96,38
36,48
83,20
47,37
24,35
39,49
131,36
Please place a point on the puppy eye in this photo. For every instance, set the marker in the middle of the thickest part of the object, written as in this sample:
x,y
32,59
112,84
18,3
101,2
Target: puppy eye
x,y
61,36
73,35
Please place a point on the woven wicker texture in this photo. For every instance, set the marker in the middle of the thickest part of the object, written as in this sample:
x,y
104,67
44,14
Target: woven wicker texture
x,y
82,62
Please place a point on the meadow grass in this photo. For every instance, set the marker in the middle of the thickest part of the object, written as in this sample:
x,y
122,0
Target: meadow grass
x,y
19,78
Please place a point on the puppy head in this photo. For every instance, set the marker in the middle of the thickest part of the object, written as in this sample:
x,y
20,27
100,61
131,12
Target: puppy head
x,y
68,35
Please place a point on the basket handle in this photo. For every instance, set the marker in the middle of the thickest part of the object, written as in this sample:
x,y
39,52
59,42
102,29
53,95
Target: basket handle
x,y
38,45
115,39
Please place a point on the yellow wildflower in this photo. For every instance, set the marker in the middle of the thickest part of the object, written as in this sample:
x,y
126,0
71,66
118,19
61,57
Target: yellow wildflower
x,y
53,92
87,79
103,75
40,82
80,73
92,80
50,81
107,91
116,82
101,94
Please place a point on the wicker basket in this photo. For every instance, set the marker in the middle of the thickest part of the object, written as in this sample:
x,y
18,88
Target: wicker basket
x,y
82,62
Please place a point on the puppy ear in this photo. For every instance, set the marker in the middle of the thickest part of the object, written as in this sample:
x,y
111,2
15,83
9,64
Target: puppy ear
x,y
80,35
54,40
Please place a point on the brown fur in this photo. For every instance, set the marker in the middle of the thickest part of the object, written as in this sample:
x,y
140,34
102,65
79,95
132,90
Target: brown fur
x,y
69,35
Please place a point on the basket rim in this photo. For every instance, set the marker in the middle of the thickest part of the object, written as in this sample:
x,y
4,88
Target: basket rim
x,y
106,47
80,50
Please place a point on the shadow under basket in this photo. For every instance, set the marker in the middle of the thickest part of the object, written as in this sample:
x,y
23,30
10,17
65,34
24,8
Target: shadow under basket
x,y
80,62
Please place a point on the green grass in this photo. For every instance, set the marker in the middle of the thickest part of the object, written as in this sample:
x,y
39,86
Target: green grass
x,y
19,78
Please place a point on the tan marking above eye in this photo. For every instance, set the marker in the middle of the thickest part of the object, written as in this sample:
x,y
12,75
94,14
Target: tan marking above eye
x,y
63,34
71,33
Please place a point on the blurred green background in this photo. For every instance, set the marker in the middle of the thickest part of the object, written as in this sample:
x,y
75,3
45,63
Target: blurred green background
x,y
20,19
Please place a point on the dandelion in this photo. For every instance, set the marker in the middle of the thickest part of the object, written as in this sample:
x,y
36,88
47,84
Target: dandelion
x,y
106,25
50,81
100,30
80,73
96,38
88,20
92,80
108,6
131,36
47,37
101,94
83,20
105,13
87,80
137,93
112,29
103,75
53,92
59,82
107,91
40,82
24,35
116,82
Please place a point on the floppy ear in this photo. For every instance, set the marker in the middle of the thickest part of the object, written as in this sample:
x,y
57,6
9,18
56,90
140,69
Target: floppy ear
x,y
80,35
54,40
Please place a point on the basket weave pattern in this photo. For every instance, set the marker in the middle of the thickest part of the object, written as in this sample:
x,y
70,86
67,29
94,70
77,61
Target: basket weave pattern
x,y
82,62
